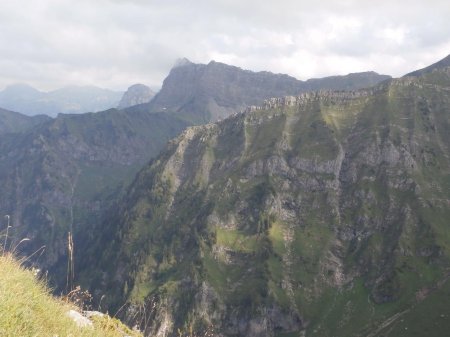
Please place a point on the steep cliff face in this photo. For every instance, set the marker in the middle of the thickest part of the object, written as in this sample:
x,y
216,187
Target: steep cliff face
x,y
59,176
203,93
324,214
136,94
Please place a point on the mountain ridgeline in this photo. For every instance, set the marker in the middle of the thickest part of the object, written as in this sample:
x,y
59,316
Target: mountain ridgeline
x,y
320,214
13,122
208,92
441,64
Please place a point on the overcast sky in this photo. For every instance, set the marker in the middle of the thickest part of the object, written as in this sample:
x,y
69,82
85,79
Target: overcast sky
x,y
115,43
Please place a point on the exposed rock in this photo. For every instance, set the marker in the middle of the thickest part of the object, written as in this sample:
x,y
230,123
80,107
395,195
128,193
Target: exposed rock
x,y
79,319
90,314
136,94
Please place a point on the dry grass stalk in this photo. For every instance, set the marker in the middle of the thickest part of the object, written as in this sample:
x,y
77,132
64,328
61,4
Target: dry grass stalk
x,y
70,264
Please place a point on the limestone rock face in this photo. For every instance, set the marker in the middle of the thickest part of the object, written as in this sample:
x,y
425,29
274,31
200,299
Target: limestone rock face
x,y
136,94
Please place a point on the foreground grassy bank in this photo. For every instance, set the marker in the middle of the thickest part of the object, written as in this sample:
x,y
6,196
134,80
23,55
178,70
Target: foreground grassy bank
x,y
28,309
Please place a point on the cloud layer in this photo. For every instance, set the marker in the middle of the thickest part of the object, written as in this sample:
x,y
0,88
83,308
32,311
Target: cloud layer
x,y
115,43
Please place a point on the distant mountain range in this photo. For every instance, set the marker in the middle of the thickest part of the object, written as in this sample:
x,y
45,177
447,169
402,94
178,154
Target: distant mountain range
x,y
30,101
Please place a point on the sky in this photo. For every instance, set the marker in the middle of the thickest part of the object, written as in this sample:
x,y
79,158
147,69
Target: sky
x,y
116,43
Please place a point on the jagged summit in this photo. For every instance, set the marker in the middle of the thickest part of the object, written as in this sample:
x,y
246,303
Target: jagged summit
x,y
182,62
445,62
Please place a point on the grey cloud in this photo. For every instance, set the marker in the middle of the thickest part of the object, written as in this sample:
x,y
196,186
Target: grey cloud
x,y
115,43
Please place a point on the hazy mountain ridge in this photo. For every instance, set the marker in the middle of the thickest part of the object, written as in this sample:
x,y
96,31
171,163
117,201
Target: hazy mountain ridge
x,y
321,214
204,93
136,94
13,122
72,99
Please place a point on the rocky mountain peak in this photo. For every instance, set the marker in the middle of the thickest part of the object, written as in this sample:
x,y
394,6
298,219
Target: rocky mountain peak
x,y
136,94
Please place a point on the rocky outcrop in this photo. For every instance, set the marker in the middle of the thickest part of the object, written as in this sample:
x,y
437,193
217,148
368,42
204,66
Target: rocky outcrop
x,y
331,97
79,319
136,94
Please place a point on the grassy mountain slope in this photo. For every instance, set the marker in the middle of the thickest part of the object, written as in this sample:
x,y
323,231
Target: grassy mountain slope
x,y
27,308
325,214
59,176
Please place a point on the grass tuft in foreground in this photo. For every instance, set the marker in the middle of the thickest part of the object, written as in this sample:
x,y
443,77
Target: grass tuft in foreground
x,y
28,309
